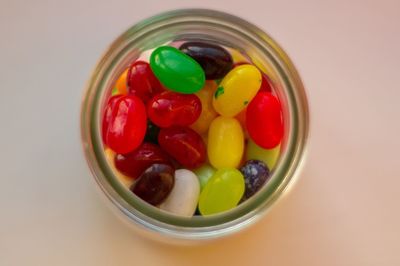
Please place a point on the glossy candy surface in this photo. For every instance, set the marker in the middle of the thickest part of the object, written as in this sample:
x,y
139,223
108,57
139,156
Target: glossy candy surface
x,y
121,84
214,59
184,195
255,174
225,143
268,156
265,83
124,123
142,82
208,113
123,179
222,192
176,70
172,108
134,163
155,184
204,173
236,90
184,145
264,120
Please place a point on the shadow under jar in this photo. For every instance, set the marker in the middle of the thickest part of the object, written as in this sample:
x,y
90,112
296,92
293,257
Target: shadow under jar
x,y
235,34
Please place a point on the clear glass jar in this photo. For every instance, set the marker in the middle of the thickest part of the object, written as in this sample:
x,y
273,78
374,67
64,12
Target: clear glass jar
x,y
229,31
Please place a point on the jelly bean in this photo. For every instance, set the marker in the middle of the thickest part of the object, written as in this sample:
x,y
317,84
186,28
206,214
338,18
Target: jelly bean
x,y
265,82
214,59
268,156
222,192
225,143
184,145
176,70
237,56
142,81
236,90
172,108
151,133
134,163
114,92
255,174
264,120
204,173
124,123
155,184
207,110
123,179
121,84
241,117
184,195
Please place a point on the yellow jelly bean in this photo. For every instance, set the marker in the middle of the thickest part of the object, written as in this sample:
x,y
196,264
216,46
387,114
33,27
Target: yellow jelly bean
x,y
241,117
268,156
225,143
121,84
236,90
237,56
207,110
123,179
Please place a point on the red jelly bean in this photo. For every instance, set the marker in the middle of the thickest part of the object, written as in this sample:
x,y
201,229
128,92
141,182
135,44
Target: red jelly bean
x,y
134,163
264,120
172,108
124,123
265,83
142,82
184,145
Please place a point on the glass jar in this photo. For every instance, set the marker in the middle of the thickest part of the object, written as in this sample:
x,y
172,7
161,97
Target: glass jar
x,y
227,30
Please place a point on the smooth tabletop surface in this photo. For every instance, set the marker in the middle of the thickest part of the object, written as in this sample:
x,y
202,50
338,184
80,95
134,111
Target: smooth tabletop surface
x,y
344,209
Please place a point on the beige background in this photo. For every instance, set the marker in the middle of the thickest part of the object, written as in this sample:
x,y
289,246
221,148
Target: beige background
x,y
345,207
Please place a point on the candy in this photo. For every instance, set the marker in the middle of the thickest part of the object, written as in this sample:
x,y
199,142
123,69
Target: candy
x,y
222,192
155,184
172,108
236,90
268,156
184,196
207,110
134,163
123,179
255,174
121,84
142,81
204,173
264,120
176,70
124,123
265,82
151,133
225,143
184,145
214,59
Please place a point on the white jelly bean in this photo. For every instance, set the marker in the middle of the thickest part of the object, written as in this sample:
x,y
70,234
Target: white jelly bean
x,y
184,195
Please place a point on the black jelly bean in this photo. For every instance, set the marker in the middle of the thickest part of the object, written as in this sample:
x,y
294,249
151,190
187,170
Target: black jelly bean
x,y
255,174
215,60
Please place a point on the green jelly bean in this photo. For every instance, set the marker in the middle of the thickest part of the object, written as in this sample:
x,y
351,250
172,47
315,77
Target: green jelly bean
x,y
176,70
204,173
222,192
268,156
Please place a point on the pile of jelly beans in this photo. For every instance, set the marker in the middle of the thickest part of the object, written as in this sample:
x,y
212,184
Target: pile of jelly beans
x,y
195,129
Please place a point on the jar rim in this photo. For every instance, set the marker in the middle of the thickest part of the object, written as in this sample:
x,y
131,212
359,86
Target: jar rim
x,y
167,224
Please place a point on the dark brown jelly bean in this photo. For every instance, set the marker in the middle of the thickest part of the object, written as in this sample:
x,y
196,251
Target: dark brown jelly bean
x,y
155,184
215,60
